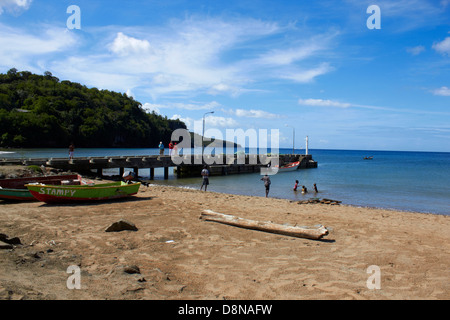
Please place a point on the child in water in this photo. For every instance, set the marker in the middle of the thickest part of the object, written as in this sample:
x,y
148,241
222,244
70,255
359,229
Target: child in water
x,y
296,185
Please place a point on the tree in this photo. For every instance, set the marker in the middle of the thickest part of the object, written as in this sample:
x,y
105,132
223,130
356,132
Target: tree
x,y
40,111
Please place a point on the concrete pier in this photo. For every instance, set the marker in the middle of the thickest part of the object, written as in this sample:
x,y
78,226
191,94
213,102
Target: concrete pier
x,y
190,165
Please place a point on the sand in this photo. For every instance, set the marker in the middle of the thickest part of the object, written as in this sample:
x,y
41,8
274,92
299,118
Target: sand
x,y
179,256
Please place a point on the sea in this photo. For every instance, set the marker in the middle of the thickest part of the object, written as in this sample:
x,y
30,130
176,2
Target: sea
x,y
399,180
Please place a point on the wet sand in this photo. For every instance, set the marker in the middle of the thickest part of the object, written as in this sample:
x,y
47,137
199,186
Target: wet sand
x,y
180,256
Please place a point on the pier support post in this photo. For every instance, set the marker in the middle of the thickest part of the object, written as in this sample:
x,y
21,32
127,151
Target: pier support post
x,y
152,173
166,173
121,171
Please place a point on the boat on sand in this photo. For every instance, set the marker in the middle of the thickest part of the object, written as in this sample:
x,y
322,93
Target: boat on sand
x,y
83,193
15,189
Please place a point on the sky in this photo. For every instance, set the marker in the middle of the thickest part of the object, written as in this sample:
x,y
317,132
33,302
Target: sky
x,y
344,74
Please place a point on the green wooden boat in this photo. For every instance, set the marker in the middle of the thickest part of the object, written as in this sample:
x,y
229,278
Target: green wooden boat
x,y
98,192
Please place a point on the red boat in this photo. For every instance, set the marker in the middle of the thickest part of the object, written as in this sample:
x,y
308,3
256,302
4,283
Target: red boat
x,y
14,189
289,167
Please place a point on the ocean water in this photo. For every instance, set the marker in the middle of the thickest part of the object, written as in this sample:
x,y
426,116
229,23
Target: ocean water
x,y
408,181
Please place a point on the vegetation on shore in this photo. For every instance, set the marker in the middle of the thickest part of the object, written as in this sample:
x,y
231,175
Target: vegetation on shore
x,y
41,111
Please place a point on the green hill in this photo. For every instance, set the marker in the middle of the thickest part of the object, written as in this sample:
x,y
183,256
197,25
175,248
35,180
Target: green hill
x,y
38,111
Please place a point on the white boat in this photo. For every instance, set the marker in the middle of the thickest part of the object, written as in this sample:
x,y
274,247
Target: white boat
x,y
286,168
289,167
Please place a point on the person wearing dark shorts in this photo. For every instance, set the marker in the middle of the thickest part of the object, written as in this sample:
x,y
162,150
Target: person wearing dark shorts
x,y
267,182
205,175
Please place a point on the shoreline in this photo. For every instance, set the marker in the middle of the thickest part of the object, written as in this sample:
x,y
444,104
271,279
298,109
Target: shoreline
x,y
181,257
401,193
287,199
20,169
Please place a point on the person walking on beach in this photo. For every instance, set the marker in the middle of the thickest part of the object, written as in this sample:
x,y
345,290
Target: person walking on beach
x,y
296,185
267,182
71,151
205,180
161,148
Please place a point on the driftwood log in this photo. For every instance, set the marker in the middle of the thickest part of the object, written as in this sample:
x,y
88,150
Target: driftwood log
x,y
314,233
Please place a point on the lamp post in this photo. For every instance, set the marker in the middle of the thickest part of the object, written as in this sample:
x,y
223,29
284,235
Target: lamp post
x,y
203,132
293,138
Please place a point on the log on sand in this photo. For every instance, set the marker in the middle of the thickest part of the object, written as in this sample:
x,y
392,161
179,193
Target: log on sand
x,y
314,233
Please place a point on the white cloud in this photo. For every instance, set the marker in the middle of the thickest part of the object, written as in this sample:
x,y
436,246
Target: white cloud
x,y
151,107
22,49
305,76
415,50
14,6
252,113
129,93
182,59
187,121
442,91
211,122
93,71
222,88
323,103
220,122
390,110
197,56
184,56
124,45
443,47
289,55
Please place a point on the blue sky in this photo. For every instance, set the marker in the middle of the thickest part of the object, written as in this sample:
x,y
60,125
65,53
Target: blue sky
x,y
310,65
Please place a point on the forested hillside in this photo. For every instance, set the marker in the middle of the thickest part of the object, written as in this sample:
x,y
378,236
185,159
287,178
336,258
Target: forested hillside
x,y
39,111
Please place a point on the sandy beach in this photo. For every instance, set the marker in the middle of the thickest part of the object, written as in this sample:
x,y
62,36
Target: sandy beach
x,y
175,255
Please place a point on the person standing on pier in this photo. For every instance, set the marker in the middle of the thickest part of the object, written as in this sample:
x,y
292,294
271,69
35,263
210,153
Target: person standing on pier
x,y
161,148
71,151
170,148
205,175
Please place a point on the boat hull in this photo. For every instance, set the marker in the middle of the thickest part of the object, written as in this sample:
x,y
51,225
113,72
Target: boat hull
x,y
61,194
16,195
289,167
15,190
